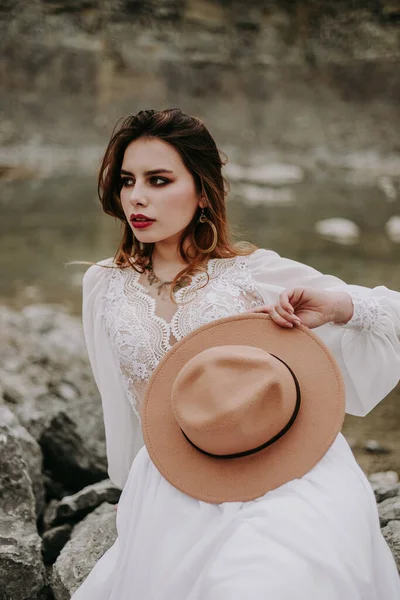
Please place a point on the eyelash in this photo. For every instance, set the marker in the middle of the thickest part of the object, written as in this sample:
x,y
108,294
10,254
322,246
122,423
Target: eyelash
x,y
125,180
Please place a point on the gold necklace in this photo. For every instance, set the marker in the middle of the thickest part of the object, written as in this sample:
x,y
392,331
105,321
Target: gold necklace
x,y
154,280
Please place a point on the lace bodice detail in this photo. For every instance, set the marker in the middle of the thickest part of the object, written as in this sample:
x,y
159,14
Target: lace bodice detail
x,y
140,337
142,327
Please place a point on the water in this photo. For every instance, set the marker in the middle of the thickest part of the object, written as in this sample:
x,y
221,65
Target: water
x,y
47,223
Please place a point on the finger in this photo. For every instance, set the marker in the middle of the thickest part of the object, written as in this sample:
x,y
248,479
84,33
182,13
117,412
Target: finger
x,y
276,317
260,309
284,302
288,316
295,295
291,318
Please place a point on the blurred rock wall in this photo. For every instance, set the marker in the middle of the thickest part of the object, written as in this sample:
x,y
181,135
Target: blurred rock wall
x,y
291,76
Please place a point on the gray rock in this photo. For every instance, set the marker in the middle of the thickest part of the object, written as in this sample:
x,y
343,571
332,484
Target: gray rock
x,y
90,539
53,541
383,478
22,573
50,515
253,49
385,485
391,533
50,388
67,456
76,506
54,489
386,491
31,452
389,510
87,499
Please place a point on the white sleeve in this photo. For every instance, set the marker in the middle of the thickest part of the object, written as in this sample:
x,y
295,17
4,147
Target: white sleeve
x,y
367,348
122,428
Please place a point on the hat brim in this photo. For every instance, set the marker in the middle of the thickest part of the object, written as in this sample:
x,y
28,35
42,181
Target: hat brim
x,y
242,479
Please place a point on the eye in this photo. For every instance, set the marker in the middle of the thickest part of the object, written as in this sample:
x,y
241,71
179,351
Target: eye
x,y
158,181
126,181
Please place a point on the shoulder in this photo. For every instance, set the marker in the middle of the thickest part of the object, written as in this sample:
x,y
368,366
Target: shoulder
x,y
261,257
97,274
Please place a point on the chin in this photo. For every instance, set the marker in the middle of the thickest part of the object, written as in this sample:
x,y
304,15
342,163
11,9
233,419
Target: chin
x,y
146,237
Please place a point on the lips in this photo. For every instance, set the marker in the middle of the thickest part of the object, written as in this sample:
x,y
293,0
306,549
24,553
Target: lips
x,y
140,221
141,224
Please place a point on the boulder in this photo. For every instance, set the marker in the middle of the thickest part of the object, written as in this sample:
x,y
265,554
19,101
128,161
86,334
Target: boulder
x,y
383,478
385,485
389,510
90,539
386,491
75,507
53,541
391,533
22,573
32,454
46,380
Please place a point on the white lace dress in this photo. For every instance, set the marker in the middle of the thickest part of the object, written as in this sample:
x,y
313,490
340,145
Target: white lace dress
x,y
317,537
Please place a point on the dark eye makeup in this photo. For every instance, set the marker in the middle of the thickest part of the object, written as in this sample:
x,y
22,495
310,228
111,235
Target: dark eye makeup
x,y
128,181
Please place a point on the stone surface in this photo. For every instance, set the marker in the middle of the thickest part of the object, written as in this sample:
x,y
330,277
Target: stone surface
x,y
50,515
89,541
53,541
302,75
389,510
386,491
383,478
385,485
31,453
391,533
22,574
86,500
46,381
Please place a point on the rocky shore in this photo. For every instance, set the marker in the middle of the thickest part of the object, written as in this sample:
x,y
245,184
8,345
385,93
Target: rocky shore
x,y
57,514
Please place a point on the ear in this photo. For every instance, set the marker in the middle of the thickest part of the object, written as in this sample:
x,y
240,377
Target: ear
x,y
202,202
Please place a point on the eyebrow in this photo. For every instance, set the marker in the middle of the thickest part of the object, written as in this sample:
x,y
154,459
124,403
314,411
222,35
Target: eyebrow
x,y
152,172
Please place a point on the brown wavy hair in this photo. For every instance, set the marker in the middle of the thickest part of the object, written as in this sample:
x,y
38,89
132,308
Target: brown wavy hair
x,y
199,153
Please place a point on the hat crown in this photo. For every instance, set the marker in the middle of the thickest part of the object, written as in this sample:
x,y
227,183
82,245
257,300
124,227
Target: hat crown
x,y
233,398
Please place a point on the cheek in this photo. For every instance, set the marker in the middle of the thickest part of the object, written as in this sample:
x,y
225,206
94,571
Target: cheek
x,y
182,200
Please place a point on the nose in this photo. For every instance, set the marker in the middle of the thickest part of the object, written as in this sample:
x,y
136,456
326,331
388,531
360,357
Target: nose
x,y
138,196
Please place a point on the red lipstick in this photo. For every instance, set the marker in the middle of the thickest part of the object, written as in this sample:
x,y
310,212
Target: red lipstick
x,y
140,221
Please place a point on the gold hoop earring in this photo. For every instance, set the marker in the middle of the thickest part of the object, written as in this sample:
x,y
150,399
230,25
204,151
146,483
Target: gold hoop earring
x,y
203,219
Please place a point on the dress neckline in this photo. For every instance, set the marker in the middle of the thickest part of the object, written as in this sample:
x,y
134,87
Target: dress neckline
x,y
185,293
181,291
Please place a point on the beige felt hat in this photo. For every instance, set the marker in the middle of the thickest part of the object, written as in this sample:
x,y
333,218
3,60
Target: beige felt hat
x,y
241,406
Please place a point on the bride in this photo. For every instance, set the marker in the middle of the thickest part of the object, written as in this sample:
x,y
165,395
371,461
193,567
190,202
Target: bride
x,y
315,534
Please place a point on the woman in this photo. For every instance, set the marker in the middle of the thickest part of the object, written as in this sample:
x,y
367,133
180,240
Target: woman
x,y
176,270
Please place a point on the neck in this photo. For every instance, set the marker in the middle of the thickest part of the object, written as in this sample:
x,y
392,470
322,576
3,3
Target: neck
x,y
166,253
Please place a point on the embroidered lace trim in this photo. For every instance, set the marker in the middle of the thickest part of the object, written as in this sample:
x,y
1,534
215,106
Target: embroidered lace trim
x,y
140,338
366,315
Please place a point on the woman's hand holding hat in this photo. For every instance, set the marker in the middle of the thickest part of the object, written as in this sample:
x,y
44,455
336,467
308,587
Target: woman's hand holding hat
x,y
309,307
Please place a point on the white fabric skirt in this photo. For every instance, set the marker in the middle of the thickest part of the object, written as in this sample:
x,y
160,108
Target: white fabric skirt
x,y
317,537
